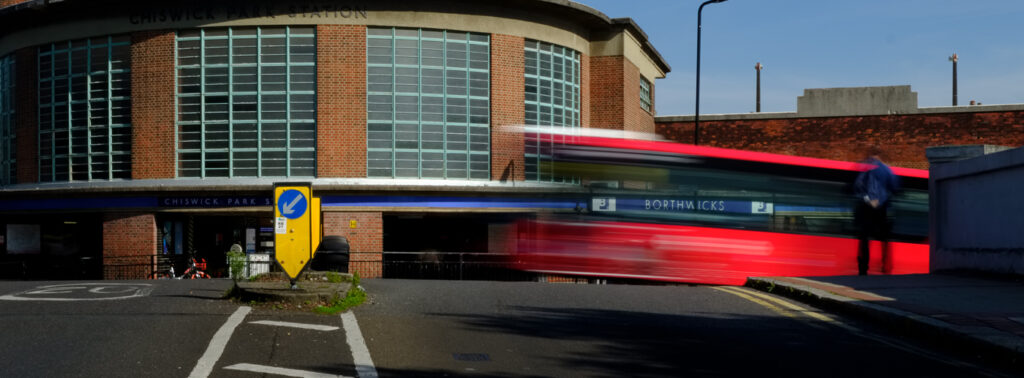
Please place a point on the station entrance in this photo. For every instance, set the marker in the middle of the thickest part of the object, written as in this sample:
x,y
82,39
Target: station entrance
x,y
210,237
447,246
51,247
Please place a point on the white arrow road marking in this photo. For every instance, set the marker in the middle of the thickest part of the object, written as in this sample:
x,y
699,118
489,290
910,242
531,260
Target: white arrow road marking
x,y
360,354
315,327
288,206
280,371
220,340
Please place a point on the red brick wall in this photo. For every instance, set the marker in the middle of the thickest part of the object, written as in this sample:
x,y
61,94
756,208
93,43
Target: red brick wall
x,y
366,241
4,3
636,118
585,90
341,100
129,244
153,91
606,92
26,108
507,106
903,138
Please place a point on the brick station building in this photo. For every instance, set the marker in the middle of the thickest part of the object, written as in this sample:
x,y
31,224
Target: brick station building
x,y
133,130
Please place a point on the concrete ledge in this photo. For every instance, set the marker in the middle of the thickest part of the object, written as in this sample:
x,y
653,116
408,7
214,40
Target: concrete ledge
x,y
992,345
792,115
313,287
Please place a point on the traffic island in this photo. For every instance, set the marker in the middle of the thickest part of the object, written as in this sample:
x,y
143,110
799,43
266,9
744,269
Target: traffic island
x,y
313,290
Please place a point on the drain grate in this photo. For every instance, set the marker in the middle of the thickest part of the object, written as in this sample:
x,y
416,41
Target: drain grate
x,y
476,357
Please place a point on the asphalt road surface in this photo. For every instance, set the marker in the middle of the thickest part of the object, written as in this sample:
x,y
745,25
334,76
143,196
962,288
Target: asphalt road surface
x,y
171,328
440,328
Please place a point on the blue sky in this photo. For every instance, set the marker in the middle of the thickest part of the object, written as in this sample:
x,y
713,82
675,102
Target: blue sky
x,y
828,43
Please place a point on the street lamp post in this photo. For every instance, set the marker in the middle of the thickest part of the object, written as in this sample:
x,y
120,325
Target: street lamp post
x,y
954,59
758,68
696,112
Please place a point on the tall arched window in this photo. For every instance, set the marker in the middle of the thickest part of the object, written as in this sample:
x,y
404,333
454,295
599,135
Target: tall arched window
x,y
428,104
8,166
247,102
85,111
552,99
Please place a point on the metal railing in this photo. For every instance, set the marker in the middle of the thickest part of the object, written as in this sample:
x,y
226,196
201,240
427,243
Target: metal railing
x,y
452,266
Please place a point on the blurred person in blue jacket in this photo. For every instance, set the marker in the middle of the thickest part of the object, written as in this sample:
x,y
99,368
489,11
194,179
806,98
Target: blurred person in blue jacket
x,y
874,188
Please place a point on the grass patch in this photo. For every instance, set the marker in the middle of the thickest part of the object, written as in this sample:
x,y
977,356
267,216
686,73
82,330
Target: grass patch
x,y
354,297
335,277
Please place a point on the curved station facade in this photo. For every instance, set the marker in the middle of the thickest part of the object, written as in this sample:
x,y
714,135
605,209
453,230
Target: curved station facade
x,y
132,131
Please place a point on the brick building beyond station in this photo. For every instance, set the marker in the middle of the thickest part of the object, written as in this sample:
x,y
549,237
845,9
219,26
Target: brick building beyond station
x,y
840,123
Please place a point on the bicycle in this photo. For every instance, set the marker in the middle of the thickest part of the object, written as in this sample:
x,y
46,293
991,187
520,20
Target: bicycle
x,y
195,270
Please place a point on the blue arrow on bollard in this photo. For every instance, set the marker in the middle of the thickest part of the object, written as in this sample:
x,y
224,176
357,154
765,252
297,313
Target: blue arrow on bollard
x,y
292,204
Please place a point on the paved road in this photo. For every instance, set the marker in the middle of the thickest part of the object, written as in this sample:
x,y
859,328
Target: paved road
x,y
163,328
441,328
420,328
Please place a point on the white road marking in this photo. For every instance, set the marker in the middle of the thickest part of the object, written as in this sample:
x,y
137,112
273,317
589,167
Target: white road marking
x,y
280,371
220,340
111,291
315,327
360,354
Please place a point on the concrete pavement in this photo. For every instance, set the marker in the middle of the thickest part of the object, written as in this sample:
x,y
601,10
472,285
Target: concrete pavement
x,y
979,315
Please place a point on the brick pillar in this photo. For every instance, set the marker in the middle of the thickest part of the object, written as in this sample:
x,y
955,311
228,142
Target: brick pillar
x,y
26,124
584,90
636,118
508,101
153,99
129,245
366,240
341,101
607,92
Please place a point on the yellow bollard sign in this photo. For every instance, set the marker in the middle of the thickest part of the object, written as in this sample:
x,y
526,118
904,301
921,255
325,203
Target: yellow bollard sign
x,y
295,210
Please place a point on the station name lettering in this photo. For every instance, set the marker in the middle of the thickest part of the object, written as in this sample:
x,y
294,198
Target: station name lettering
x,y
307,11
214,201
683,205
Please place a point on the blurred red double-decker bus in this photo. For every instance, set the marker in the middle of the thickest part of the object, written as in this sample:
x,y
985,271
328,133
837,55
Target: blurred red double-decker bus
x,y
676,212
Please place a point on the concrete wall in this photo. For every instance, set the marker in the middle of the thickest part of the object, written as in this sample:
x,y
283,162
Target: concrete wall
x,y
831,102
977,212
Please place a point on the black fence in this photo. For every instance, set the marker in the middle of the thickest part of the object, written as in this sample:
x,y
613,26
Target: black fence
x,y
179,266
48,267
452,266
406,265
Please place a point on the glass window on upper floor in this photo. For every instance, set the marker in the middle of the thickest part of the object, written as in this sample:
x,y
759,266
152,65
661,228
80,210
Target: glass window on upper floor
x,y
85,109
8,143
552,100
428,104
246,102
645,95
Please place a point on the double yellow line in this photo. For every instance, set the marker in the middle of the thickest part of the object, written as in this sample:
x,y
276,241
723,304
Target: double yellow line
x,y
790,310
780,306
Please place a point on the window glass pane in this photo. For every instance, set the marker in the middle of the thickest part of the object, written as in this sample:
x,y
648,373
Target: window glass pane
x,y
247,102
424,89
84,110
552,97
8,138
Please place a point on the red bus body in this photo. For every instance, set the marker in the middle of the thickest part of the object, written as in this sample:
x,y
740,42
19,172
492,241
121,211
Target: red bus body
x,y
696,254
597,245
